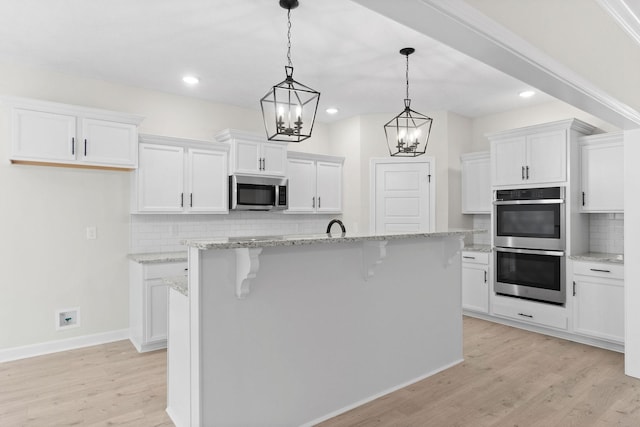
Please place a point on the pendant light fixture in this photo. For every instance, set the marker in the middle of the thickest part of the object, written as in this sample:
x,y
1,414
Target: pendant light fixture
x,y
408,132
289,108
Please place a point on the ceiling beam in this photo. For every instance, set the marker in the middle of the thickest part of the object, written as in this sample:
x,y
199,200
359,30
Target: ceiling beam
x,y
460,26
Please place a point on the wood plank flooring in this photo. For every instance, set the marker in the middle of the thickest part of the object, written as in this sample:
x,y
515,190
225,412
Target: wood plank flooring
x,y
509,378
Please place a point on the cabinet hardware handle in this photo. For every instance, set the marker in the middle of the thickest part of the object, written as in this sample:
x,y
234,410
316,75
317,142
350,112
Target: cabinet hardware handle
x,y
73,146
429,176
600,271
583,198
182,200
468,257
313,202
85,147
523,173
319,205
527,172
264,163
525,315
485,276
574,288
190,200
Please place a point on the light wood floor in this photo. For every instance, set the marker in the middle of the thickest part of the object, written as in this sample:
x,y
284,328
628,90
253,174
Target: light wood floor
x,y
509,378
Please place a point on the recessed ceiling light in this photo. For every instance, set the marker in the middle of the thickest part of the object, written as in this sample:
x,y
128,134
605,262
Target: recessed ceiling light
x,y
527,94
191,80
332,110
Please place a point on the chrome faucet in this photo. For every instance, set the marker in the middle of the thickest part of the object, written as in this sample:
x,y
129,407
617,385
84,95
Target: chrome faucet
x,y
336,221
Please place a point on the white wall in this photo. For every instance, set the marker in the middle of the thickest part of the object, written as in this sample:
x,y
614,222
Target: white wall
x,y
528,116
632,252
47,263
578,34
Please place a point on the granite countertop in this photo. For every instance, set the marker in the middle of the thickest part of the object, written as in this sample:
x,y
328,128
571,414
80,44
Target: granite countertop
x,y
157,257
599,257
179,283
477,248
309,239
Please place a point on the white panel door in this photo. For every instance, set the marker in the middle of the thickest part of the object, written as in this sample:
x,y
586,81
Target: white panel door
x,y
161,178
547,157
302,185
207,181
599,308
109,143
402,197
43,136
329,187
509,158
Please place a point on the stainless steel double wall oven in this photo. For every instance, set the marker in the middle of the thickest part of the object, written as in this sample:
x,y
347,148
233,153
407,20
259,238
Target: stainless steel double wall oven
x,y
529,240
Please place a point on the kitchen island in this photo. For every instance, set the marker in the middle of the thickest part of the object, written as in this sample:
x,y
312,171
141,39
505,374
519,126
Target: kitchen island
x,y
291,330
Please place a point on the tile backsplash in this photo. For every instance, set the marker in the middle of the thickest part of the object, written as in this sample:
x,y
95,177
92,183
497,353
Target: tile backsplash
x,y
606,233
163,233
482,222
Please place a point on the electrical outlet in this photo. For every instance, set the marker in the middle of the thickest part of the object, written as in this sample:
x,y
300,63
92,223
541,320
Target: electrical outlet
x,y
68,318
92,233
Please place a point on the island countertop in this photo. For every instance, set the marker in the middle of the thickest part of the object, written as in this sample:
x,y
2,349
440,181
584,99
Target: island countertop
x,y
309,239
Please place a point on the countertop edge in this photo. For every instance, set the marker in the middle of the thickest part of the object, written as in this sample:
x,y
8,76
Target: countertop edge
x,y
297,240
598,257
158,257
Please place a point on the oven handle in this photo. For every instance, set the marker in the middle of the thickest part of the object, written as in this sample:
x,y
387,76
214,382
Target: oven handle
x,y
529,202
530,251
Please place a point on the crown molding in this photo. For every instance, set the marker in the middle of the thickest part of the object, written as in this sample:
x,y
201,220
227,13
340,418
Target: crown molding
x,y
624,16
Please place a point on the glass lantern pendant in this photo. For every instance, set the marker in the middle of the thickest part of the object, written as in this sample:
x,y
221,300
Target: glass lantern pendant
x,y
289,107
408,133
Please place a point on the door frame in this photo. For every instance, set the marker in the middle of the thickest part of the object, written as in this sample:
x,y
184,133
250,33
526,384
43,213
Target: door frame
x,y
373,164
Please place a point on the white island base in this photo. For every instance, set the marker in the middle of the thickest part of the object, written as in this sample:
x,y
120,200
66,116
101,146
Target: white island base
x,y
289,335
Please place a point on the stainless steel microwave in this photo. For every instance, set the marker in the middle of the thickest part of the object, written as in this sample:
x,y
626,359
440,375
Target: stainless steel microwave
x,y
255,193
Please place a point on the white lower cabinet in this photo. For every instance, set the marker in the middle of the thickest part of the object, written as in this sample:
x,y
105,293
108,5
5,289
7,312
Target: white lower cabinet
x,y
475,281
178,360
148,302
598,300
541,314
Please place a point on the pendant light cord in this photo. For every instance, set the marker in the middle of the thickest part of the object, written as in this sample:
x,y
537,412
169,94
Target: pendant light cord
x,y
289,38
407,74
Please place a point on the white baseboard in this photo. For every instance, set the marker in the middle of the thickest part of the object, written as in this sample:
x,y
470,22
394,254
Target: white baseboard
x,y
383,393
48,347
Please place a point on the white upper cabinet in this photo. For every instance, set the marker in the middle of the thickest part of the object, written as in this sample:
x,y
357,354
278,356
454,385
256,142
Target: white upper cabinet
x,y
315,183
476,183
534,155
252,154
181,176
59,134
602,172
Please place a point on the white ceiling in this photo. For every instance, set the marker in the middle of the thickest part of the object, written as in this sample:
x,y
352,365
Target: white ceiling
x,y
238,50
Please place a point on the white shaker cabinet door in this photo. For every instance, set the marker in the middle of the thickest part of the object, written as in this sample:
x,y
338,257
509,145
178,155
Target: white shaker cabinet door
x,y
248,157
160,178
602,175
476,184
109,143
509,161
156,311
43,136
475,287
546,157
329,187
207,181
274,159
599,308
302,186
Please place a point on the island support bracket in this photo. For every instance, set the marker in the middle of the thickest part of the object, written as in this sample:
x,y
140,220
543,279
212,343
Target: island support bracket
x,y
247,265
373,252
